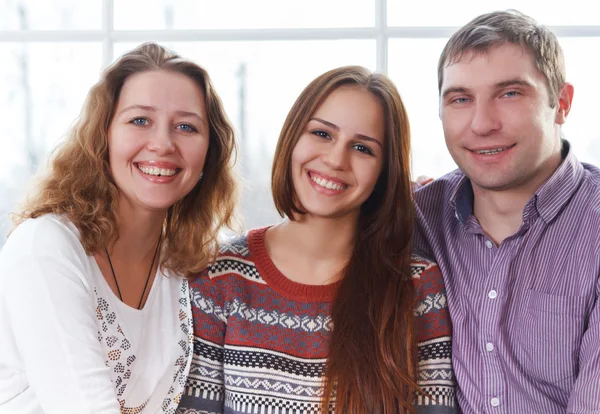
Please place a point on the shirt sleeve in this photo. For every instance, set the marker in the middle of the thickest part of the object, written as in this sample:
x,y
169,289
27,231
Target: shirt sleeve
x,y
433,330
47,306
205,390
585,396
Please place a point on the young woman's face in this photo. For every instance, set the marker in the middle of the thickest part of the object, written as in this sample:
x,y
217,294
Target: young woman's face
x,y
158,139
339,157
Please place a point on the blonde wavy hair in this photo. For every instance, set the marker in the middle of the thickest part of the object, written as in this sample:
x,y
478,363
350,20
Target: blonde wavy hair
x,y
79,184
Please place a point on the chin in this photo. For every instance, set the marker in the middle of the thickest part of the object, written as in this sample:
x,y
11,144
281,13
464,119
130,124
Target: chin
x,y
158,205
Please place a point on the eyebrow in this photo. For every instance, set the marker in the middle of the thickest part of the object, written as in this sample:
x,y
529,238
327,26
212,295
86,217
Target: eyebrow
x,y
457,89
153,109
499,85
513,82
337,128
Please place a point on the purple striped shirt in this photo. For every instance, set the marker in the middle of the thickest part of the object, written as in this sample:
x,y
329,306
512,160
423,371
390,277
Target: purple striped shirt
x,y
525,315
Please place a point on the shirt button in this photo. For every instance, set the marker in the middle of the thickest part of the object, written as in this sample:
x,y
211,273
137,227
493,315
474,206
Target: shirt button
x,y
489,347
492,294
488,244
495,402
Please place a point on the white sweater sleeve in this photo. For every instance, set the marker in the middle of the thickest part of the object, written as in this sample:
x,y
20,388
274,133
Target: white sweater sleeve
x,y
48,301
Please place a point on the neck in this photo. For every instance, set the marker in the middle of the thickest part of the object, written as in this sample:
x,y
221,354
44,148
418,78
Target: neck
x,y
138,234
500,212
312,250
500,215
323,238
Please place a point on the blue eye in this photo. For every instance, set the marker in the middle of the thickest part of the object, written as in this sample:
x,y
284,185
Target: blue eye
x,y
363,148
511,93
139,121
187,128
460,100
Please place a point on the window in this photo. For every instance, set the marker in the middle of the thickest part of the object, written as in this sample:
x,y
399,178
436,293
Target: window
x,y
260,55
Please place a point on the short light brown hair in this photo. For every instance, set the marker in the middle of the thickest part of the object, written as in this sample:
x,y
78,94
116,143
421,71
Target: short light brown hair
x,y
495,29
79,184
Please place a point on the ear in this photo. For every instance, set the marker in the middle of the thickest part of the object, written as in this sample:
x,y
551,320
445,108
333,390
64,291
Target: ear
x,y
565,99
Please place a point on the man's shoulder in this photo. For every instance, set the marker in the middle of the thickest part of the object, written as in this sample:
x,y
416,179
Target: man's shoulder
x,y
587,194
444,186
591,176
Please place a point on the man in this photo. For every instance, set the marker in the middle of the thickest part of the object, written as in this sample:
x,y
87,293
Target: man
x,y
516,231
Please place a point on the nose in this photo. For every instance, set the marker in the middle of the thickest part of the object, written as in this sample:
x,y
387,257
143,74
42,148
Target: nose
x,y
485,119
335,155
162,141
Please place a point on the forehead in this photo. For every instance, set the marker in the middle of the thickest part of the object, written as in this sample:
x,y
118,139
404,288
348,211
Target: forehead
x,y
161,87
487,68
353,107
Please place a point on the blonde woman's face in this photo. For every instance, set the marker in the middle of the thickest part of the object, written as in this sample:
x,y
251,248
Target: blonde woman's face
x,y
158,139
339,157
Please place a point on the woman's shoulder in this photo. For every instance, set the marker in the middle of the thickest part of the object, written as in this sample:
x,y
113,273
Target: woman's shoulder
x,y
45,234
40,249
235,245
424,271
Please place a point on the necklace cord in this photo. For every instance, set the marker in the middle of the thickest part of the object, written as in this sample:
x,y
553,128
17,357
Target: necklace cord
x,y
112,269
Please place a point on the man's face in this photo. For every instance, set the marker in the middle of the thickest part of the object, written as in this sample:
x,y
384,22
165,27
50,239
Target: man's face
x,y
500,126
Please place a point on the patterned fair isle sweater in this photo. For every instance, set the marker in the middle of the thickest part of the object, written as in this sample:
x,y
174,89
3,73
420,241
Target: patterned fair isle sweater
x,y
261,339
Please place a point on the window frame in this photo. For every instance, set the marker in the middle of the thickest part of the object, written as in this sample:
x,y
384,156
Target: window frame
x,y
381,33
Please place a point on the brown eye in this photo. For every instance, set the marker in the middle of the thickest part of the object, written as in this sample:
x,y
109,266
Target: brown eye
x,y
321,134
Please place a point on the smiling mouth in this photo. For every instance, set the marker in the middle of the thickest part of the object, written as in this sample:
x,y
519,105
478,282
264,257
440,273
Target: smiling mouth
x,y
328,184
493,151
158,172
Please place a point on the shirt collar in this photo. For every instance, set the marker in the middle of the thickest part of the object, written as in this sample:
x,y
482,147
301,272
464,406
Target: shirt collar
x,y
462,199
551,197
548,200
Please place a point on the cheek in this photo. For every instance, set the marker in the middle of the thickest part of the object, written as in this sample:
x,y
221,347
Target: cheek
x,y
122,147
194,154
452,125
300,154
370,173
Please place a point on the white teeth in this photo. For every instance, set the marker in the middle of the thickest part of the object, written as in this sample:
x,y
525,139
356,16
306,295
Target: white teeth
x,y
492,151
326,183
157,171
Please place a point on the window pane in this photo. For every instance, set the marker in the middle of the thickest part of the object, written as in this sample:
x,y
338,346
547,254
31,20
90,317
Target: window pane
x,y
418,87
259,82
581,128
242,14
42,88
457,13
51,15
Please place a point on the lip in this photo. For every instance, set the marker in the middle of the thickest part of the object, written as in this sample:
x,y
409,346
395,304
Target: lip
x,y
156,179
159,164
323,190
492,147
492,158
327,177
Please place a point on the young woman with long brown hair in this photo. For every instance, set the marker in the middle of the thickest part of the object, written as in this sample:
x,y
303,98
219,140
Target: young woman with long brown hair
x,y
328,310
94,306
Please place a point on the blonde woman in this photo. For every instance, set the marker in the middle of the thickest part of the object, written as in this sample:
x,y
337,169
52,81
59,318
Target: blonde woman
x,y
94,308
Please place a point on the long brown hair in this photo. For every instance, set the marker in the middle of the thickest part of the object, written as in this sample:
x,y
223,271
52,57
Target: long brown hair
x,y
79,184
371,366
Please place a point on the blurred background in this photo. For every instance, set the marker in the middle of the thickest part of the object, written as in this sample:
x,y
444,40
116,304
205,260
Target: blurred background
x,y
260,54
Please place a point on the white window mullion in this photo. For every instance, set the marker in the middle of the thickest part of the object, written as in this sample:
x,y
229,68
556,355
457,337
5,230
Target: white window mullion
x,y
382,37
107,32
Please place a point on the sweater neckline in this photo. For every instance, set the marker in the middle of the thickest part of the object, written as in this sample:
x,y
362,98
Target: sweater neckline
x,y
278,281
